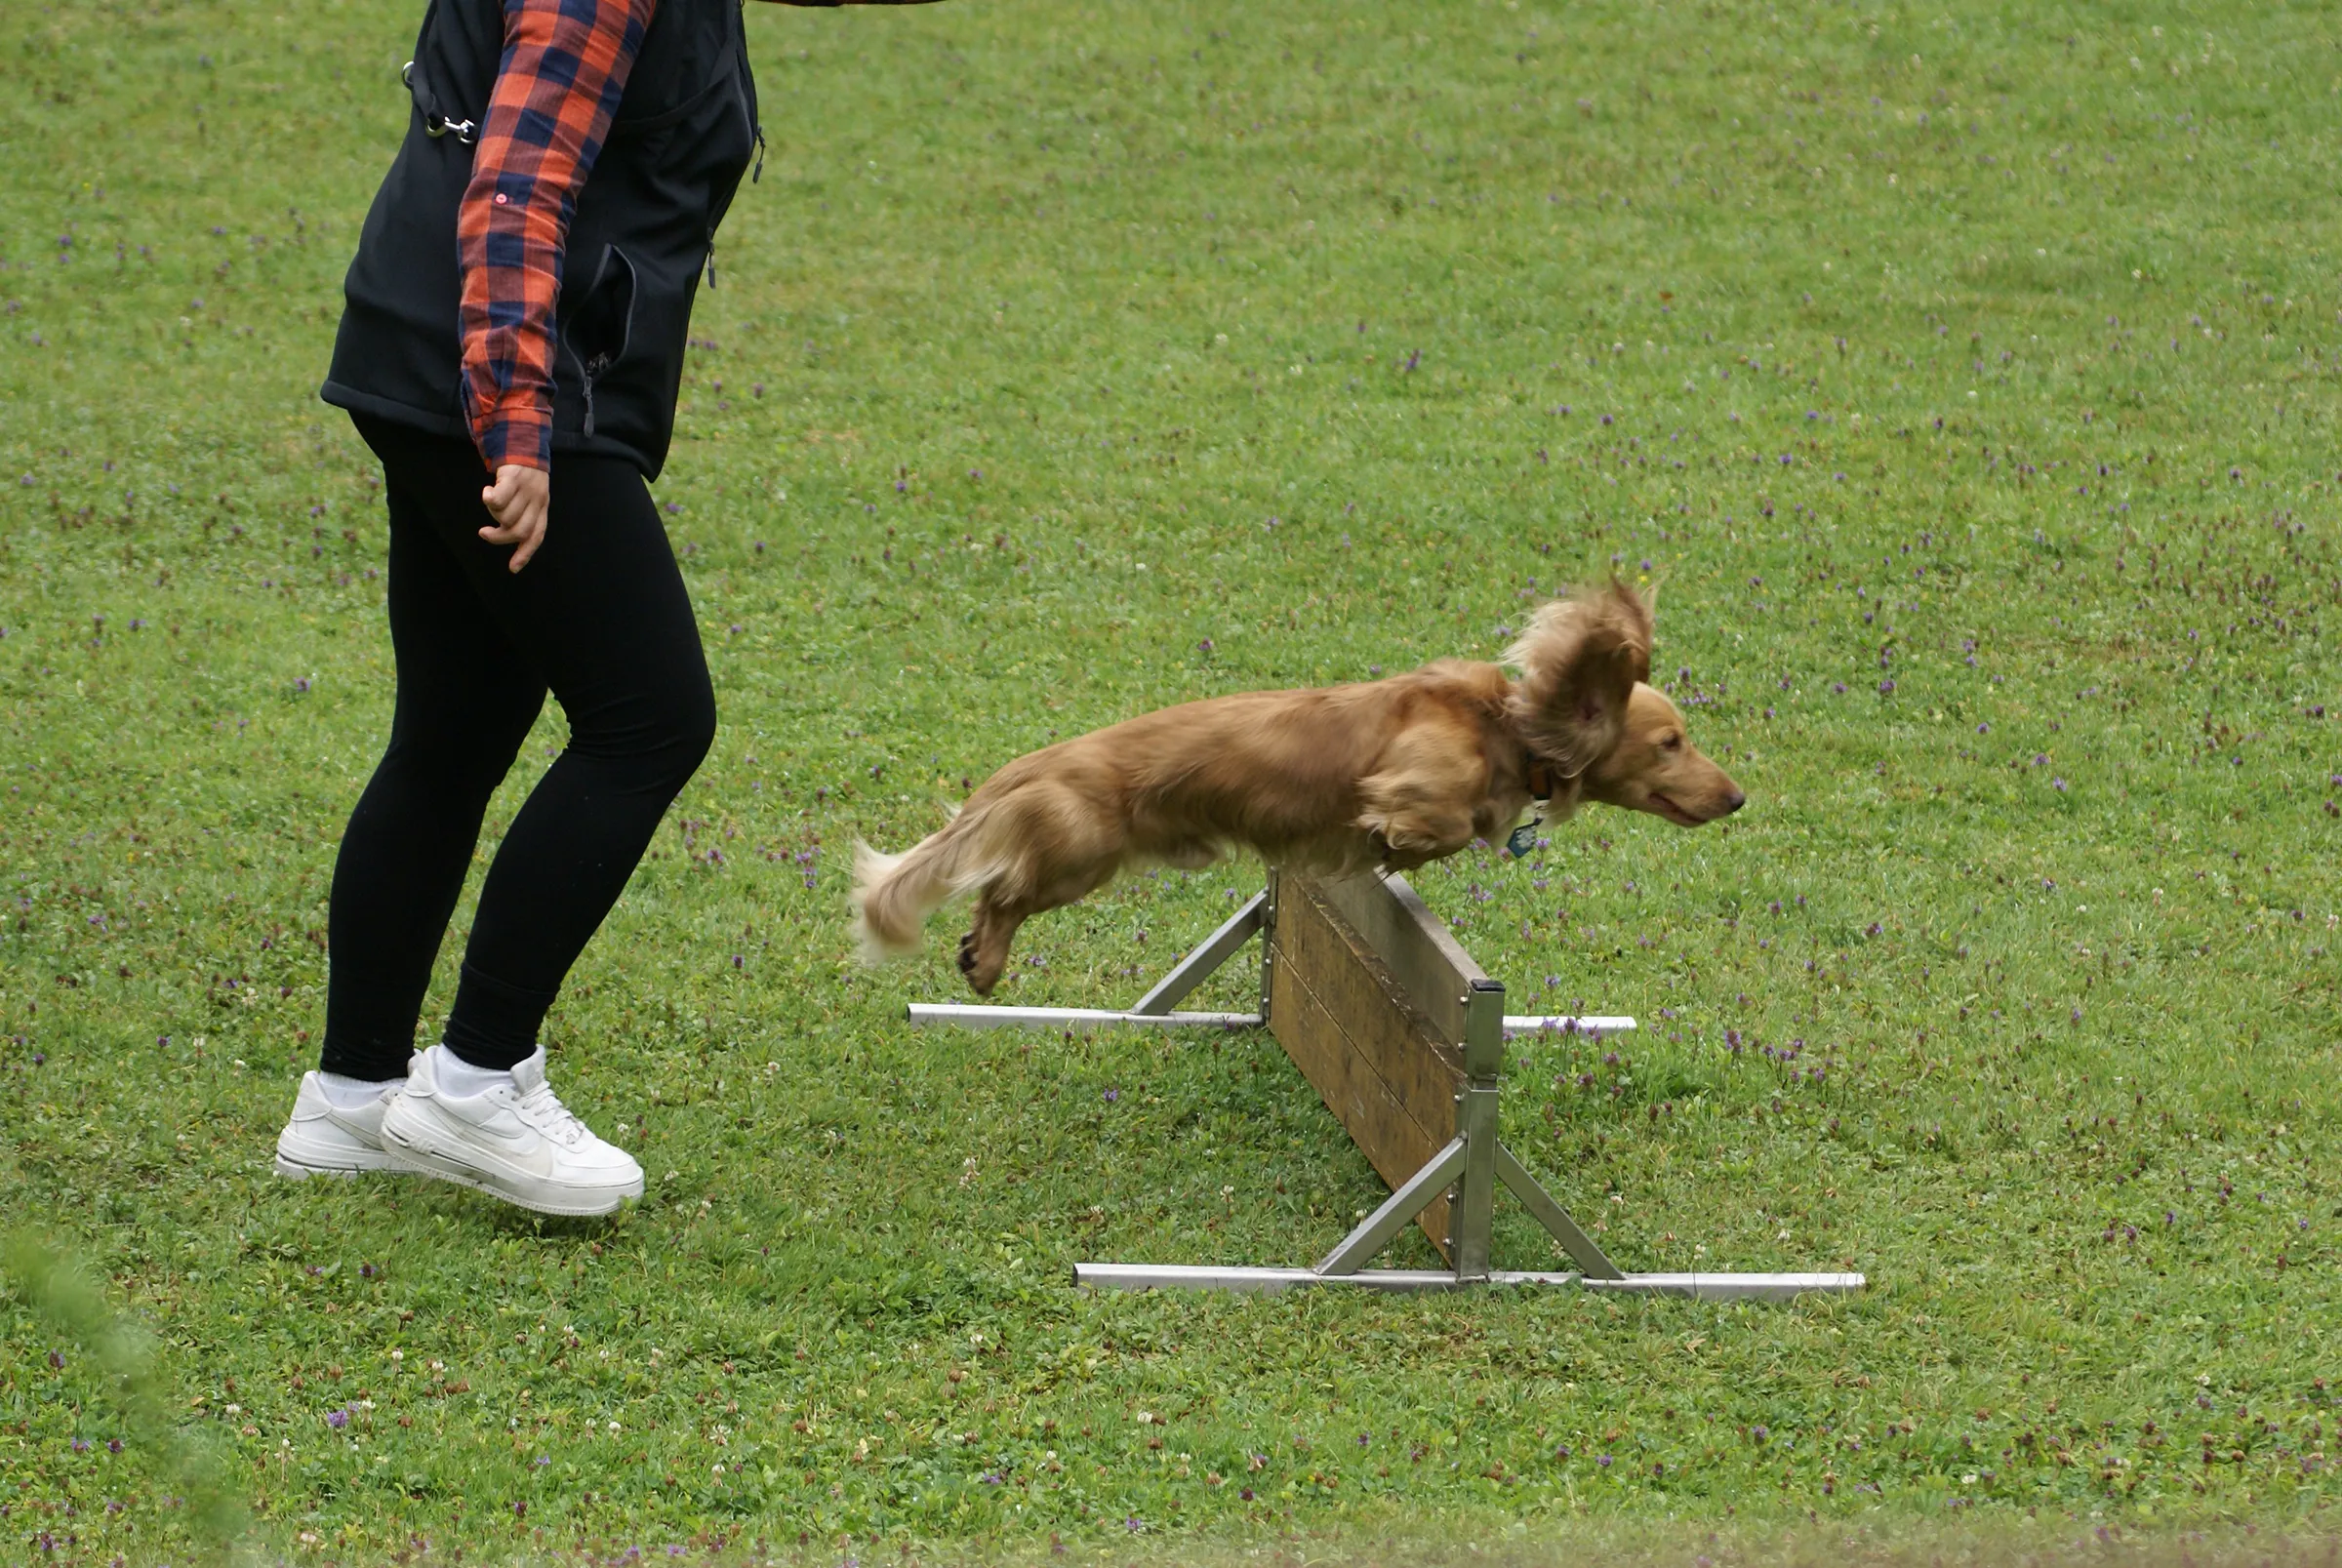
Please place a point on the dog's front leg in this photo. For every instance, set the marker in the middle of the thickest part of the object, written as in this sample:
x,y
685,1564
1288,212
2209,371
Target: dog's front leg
x,y
1411,838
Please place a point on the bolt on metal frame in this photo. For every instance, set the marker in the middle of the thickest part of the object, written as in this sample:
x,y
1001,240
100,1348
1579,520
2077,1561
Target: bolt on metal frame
x,y
1398,975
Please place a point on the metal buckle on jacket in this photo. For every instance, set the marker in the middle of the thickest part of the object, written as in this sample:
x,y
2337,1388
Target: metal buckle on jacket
x,y
440,125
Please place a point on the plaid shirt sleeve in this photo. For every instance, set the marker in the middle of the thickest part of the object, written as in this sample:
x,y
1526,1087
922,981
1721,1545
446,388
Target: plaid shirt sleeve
x,y
564,68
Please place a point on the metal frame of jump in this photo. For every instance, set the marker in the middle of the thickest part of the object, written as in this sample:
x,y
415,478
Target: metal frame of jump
x,y
1403,1037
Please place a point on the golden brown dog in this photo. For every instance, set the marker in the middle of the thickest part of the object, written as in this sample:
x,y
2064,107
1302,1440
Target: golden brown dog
x,y
1390,774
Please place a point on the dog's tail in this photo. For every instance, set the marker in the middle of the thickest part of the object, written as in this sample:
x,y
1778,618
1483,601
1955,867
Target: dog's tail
x,y
895,894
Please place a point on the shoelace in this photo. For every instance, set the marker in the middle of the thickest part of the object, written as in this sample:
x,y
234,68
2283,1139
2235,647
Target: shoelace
x,y
546,1113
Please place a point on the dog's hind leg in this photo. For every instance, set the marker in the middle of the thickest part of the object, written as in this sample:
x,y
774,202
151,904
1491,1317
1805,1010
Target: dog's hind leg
x,y
984,950
1067,861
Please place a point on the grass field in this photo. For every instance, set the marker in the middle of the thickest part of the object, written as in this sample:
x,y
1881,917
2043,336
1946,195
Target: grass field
x,y
1966,375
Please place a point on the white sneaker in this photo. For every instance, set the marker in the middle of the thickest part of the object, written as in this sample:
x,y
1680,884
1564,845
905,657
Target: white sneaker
x,y
515,1141
330,1136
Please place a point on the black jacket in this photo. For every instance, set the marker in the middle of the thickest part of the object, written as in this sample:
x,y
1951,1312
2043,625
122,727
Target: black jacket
x,y
644,231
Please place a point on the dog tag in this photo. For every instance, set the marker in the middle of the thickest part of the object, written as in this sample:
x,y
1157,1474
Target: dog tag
x,y
1523,840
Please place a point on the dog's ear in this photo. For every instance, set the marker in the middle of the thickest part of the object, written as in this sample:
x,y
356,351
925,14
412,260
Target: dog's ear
x,y
1578,661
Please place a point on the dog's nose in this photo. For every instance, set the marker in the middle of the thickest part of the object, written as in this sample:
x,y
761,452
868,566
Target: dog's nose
x,y
1734,801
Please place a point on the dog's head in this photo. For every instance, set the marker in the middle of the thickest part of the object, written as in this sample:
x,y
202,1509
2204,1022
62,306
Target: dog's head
x,y
1654,767
1583,706
1579,663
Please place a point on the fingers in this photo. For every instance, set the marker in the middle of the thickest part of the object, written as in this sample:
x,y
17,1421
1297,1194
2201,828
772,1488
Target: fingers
x,y
529,544
521,503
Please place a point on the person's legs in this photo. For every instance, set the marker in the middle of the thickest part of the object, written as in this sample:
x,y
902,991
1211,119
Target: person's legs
x,y
601,617
603,612
467,699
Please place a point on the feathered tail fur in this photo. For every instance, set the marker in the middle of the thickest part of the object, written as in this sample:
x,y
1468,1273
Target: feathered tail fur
x,y
895,894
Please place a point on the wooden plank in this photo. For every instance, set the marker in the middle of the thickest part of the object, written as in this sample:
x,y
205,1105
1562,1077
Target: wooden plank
x,y
1393,1142
1402,1045
1414,944
1376,1061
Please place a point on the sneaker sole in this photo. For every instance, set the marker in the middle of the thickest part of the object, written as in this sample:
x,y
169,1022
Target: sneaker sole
x,y
588,1203
299,1170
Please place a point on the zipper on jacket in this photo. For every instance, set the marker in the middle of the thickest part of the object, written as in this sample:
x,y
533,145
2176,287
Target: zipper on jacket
x,y
592,367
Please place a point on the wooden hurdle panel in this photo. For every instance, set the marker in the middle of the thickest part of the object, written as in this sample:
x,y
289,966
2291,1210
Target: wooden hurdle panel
x,y
1366,1038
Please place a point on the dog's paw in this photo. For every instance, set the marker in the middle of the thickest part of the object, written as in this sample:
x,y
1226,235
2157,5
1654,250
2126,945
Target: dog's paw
x,y
968,964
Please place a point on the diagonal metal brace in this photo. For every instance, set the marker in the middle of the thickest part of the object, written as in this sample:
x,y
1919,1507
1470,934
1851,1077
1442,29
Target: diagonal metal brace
x,y
1399,1211
1199,965
1556,1221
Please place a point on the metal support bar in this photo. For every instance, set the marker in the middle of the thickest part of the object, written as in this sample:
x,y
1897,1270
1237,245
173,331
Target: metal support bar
x,y
1398,1212
1472,1217
1564,1023
1207,958
1731,1287
1272,1281
986,1016
1268,938
1558,1224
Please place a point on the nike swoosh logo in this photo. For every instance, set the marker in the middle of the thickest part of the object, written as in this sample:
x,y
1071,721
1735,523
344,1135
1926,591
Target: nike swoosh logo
x,y
521,1148
369,1129
519,1140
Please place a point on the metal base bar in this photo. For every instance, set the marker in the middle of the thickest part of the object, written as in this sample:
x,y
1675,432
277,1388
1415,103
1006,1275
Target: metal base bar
x,y
984,1016
1273,1281
1563,1023
999,1015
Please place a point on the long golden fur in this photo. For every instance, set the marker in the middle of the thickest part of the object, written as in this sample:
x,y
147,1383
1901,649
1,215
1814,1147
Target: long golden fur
x,y
1386,773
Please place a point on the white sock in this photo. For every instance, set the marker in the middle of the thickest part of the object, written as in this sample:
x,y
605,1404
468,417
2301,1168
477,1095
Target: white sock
x,y
344,1093
458,1079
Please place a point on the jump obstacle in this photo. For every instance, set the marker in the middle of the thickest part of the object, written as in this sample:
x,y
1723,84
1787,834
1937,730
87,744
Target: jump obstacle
x,y
1403,1037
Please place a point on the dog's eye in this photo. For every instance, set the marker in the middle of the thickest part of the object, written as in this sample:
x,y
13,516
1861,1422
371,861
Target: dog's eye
x,y
1673,743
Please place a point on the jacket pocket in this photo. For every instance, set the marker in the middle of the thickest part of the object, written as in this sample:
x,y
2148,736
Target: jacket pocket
x,y
597,331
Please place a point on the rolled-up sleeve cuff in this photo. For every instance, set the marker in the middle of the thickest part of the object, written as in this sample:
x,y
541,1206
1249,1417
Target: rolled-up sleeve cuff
x,y
523,437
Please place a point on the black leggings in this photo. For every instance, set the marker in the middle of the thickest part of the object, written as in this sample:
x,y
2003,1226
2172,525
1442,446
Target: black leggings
x,y
599,616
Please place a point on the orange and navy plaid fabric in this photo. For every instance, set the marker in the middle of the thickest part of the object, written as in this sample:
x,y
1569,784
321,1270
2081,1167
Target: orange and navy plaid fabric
x,y
564,69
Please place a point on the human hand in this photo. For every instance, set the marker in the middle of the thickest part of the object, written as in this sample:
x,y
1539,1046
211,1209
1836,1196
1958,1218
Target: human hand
x,y
519,500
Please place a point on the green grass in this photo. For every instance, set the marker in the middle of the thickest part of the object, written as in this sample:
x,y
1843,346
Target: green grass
x,y
1076,358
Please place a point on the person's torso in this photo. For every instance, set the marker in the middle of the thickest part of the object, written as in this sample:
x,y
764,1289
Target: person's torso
x,y
642,234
